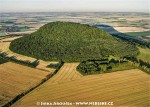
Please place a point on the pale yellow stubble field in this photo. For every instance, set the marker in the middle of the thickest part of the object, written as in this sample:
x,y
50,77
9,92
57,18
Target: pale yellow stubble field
x,y
16,79
124,88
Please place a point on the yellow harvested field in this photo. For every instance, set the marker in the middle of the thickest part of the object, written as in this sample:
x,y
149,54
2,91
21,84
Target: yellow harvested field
x,y
137,18
130,29
4,47
123,88
16,79
148,36
25,32
66,73
42,65
10,39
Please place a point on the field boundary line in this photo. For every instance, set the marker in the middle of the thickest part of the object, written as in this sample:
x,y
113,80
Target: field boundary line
x,y
10,103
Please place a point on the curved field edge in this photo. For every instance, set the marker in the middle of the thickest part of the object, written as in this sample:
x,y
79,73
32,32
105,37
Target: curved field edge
x,y
16,79
8,55
20,95
124,88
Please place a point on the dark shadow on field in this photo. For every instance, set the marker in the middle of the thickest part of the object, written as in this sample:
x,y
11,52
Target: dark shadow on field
x,y
7,41
122,36
3,54
14,59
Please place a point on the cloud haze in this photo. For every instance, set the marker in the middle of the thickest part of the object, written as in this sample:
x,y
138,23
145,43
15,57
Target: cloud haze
x,y
74,5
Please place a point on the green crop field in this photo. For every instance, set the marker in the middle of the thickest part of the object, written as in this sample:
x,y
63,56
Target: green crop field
x,y
145,33
3,33
144,54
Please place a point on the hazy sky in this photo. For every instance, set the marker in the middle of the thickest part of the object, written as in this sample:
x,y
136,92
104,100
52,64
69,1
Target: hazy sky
x,y
74,5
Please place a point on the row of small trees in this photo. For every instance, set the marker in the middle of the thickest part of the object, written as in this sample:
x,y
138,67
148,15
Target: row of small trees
x,y
106,65
2,60
98,66
5,58
132,40
143,65
34,87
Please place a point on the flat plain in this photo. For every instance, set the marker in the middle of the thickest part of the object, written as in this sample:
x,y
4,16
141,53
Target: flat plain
x,y
130,29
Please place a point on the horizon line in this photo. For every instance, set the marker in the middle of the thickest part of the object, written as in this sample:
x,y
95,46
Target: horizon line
x,y
74,12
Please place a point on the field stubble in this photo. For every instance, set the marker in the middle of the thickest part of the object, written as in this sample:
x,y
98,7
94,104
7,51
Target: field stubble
x,y
124,88
16,79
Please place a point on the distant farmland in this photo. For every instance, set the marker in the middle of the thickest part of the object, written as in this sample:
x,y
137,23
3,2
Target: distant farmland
x,y
16,79
124,88
57,50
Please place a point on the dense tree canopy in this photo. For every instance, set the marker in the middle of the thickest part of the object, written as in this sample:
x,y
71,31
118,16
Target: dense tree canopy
x,y
103,66
70,42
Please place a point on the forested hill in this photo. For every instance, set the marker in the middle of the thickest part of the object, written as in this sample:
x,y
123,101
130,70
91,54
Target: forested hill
x,y
71,42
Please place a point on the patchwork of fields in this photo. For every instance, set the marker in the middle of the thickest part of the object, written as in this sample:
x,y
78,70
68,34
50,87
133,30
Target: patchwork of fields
x,y
128,88
130,29
16,79
124,88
